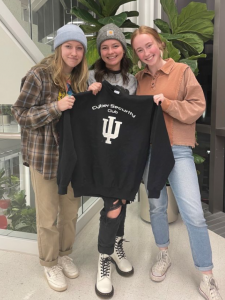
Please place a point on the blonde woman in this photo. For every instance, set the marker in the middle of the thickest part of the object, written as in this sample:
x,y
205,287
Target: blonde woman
x,y
46,91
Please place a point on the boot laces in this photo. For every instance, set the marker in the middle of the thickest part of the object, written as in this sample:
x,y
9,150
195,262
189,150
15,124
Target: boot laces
x,y
162,260
119,248
214,289
105,264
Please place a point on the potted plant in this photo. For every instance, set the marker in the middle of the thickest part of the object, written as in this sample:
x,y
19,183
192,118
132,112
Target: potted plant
x,y
184,35
6,114
8,186
21,217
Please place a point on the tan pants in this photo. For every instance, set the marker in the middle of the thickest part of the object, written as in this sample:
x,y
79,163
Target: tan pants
x,y
54,240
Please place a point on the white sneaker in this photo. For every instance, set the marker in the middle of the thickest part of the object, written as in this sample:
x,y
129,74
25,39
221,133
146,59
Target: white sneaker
x,y
209,288
123,266
103,287
55,278
69,268
159,269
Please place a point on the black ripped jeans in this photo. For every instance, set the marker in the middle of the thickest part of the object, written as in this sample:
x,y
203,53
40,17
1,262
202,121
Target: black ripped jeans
x,y
110,227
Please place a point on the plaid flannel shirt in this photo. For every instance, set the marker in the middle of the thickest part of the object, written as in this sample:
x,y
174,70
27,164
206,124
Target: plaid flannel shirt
x,y
37,113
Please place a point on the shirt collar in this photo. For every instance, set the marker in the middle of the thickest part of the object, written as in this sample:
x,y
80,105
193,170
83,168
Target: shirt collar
x,y
166,68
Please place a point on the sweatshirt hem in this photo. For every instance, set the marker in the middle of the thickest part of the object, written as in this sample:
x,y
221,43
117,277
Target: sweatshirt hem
x,y
105,192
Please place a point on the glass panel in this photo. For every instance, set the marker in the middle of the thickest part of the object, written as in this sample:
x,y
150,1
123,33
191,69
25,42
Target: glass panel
x,y
203,149
41,19
7,122
17,200
88,201
47,18
17,209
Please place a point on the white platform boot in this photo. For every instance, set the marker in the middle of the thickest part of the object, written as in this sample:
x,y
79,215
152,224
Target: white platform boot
x,y
104,287
123,266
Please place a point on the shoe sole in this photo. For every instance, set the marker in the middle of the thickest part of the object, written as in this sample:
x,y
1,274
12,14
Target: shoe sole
x,y
56,288
203,294
104,295
70,276
122,273
157,278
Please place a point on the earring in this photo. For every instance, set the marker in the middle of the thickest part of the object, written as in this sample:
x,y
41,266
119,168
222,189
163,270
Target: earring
x,y
139,64
161,53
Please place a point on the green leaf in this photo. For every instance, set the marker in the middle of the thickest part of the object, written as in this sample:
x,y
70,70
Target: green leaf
x,y
170,36
173,52
118,20
202,55
192,43
162,25
92,52
90,29
84,15
170,50
110,7
92,6
129,24
130,52
170,9
127,35
132,13
193,64
198,159
196,18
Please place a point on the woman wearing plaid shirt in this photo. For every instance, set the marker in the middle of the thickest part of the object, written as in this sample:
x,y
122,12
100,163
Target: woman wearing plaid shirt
x,y
38,110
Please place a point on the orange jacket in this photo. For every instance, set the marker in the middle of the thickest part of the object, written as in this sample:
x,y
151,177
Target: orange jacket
x,y
184,99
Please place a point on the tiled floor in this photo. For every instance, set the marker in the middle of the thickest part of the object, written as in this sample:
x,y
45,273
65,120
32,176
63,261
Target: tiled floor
x,y
22,276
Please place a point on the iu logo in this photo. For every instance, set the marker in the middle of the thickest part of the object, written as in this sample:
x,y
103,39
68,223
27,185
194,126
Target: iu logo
x,y
109,133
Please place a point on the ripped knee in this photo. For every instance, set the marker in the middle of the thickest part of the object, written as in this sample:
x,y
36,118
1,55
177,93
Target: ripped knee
x,y
115,209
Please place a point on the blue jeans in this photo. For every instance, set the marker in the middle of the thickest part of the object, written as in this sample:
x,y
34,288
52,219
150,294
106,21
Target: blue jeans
x,y
184,183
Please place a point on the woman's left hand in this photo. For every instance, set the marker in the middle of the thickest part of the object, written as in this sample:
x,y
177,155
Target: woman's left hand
x,y
95,87
158,98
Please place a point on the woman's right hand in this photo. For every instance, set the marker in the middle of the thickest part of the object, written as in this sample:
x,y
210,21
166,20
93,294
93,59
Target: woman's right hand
x,y
158,98
66,103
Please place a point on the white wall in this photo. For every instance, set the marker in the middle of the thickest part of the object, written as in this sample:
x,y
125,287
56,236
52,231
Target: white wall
x,y
18,55
14,62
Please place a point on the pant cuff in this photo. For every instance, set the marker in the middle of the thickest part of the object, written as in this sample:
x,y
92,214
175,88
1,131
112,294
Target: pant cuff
x,y
48,264
108,251
204,269
163,245
63,253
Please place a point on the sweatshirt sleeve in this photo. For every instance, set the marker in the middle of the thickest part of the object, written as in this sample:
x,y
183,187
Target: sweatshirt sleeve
x,y
67,153
193,104
162,160
28,110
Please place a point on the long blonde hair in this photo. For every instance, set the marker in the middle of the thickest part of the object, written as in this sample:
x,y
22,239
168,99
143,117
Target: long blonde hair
x,y
54,64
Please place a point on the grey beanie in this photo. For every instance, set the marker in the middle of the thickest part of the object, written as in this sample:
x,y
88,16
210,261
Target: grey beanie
x,y
70,32
110,32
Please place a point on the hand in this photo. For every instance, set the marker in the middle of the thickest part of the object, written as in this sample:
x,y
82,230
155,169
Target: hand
x,y
158,98
95,87
66,103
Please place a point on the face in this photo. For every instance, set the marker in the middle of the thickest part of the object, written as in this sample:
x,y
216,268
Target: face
x,y
72,55
147,50
112,53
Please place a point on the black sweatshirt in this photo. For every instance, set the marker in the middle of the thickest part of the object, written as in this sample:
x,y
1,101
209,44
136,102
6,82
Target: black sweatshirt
x,y
104,144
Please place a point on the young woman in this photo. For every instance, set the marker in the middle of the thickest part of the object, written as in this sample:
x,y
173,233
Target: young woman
x,y
113,66
46,92
182,101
